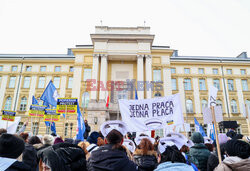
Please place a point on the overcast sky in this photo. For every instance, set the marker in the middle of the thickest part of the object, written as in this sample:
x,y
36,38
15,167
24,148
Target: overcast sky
x,y
194,27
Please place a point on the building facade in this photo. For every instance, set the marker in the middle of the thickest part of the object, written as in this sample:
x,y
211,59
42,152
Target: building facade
x,y
121,58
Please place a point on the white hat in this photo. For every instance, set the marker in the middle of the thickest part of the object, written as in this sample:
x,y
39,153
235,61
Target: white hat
x,y
164,142
190,143
129,144
108,126
138,139
180,139
208,140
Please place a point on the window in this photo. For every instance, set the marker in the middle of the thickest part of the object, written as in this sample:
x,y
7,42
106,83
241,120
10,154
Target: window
x,y
41,82
192,130
157,75
173,82
230,84
87,74
201,70
186,70
187,84
217,83
28,68
14,68
43,68
70,82
202,84
215,71
35,128
159,132
248,104
71,129
19,126
56,82
173,70
23,104
12,82
57,69
189,106
229,71
8,103
219,103
1,68
234,106
66,129
26,82
203,104
243,72
244,85
158,94
85,99
71,69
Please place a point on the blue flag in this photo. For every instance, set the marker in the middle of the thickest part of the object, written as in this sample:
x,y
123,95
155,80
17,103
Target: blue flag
x,y
198,128
80,125
53,126
136,96
50,95
212,134
34,101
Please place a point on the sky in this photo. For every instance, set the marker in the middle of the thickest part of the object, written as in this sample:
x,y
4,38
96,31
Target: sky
x,y
193,27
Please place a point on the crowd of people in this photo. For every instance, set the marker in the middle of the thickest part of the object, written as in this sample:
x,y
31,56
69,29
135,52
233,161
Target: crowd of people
x,y
114,149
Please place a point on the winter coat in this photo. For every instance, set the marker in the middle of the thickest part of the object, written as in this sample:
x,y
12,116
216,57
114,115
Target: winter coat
x,y
234,164
169,166
198,154
146,162
213,161
107,159
18,166
30,156
87,130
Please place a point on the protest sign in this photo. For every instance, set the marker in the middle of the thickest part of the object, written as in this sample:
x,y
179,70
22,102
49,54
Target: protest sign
x,y
11,126
36,111
212,96
66,105
51,115
151,114
207,114
8,115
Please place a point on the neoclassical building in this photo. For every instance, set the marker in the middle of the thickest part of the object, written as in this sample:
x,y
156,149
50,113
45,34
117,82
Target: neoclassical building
x,y
121,57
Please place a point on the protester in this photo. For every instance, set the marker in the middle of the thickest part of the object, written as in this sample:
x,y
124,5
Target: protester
x,y
87,129
92,139
11,147
112,155
198,154
145,156
35,141
213,159
238,153
58,140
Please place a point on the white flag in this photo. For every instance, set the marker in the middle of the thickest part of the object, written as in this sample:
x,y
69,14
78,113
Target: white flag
x,y
212,96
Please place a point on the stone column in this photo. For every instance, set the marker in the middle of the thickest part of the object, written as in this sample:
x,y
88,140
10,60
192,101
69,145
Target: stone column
x,y
167,84
103,77
95,75
140,76
148,70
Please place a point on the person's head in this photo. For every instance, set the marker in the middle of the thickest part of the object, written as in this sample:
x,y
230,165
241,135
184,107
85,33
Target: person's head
x,y
48,139
237,148
184,149
85,121
92,139
210,147
100,141
146,145
197,138
24,136
238,137
34,140
114,137
58,140
231,133
83,147
11,146
2,131
171,154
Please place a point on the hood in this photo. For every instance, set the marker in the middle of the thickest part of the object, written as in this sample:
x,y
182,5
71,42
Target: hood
x,y
139,152
197,138
173,166
237,163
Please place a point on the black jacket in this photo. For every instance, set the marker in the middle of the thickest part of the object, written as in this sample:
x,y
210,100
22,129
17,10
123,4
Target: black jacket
x,y
29,156
107,159
18,166
87,130
146,162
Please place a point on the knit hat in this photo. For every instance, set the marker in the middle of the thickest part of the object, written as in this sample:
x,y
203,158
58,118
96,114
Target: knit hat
x,y
92,139
48,139
58,140
11,146
222,138
197,138
238,148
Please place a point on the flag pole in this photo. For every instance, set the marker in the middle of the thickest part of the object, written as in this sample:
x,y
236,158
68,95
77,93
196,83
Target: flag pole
x,y
216,134
247,117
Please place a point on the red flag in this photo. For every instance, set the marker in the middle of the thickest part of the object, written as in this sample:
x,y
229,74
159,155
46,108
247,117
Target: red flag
x,y
107,102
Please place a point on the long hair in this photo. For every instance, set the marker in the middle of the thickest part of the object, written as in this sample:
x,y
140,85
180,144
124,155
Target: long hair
x,y
115,138
172,154
34,140
146,145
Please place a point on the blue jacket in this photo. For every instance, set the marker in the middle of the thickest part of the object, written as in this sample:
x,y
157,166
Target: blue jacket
x,y
174,166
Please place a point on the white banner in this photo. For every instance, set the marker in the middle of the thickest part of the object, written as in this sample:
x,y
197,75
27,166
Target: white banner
x,y
12,126
207,114
151,114
212,96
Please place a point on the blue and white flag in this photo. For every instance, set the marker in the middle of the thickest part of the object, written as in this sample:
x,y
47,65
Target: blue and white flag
x,y
136,96
34,101
80,125
198,128
50,95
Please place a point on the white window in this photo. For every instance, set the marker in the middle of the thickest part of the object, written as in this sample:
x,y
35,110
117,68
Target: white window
x,y
229,71
43,68
230,84
35,128
85,99
71,69
14,68
219,103
186,70
189,106
187,84
70,82
173,82
28,68
66,129
57,69
23,104
12,82
87,74
1,68
157,75
215,71
41,82
217,83
201,70
244,85
203,104
56,82
234,106
243,72
26,82
202,84
173,70
8,103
